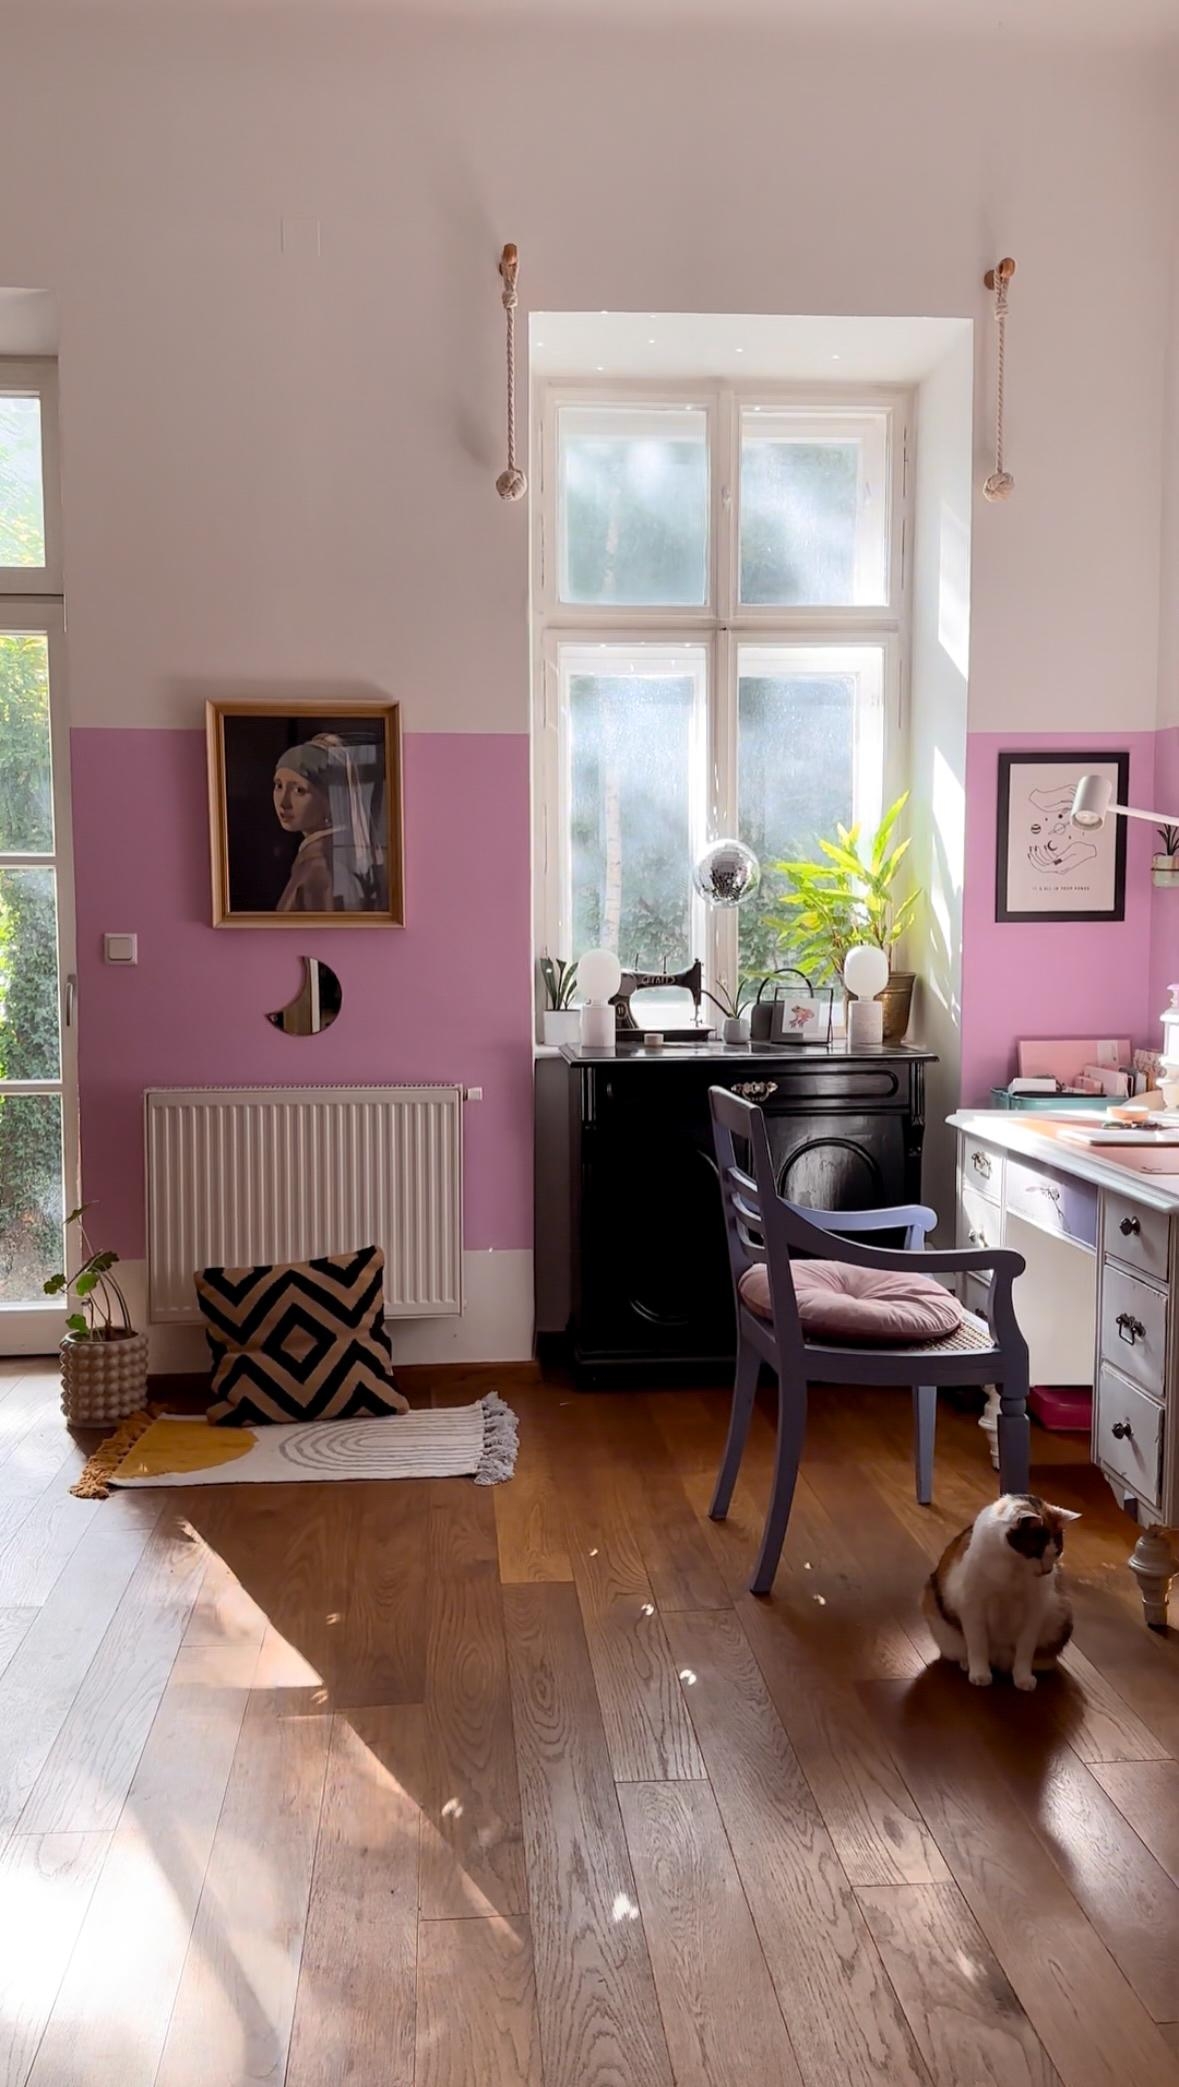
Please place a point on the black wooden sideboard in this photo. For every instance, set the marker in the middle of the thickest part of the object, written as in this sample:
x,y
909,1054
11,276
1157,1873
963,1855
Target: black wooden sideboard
x,y
649,1280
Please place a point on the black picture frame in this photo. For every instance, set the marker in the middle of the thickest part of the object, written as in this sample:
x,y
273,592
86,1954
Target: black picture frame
x,y
1012,766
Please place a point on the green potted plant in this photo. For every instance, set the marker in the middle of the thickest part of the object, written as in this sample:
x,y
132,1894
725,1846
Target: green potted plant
x,y
560,1020
103,1359
849,897
1164,867
732,1006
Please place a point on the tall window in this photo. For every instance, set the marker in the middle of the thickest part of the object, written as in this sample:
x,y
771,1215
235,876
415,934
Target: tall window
x,y
719,581
38,1140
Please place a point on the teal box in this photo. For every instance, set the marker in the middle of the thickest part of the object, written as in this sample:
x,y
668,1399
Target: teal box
x,y
1045,1104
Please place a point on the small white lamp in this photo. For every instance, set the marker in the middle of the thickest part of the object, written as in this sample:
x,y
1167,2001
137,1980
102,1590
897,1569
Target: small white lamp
x,y
599,975
865,973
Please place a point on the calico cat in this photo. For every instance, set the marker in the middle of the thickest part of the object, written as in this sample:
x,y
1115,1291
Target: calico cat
x,y
994,1598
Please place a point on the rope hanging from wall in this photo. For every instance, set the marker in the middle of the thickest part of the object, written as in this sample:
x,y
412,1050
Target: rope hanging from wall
x,y
511,484
1000,485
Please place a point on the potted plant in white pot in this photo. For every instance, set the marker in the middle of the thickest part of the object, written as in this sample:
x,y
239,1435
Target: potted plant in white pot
x,y
103,1359
1164,867
560,1020
849,898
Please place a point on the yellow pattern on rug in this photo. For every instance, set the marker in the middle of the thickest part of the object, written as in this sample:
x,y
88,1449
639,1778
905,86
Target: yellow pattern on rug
x,y
145,1446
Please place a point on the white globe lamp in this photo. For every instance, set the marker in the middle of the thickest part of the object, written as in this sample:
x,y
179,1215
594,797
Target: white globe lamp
x,y
865,973
599,975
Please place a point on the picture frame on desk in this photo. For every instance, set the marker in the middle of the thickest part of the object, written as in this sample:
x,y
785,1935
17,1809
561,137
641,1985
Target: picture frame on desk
x,y
1045,867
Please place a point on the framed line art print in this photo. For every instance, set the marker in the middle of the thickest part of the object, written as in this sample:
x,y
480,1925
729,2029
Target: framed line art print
x,y
305,814
1045,867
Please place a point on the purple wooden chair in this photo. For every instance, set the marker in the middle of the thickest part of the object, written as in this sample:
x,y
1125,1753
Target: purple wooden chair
x,y
762,1227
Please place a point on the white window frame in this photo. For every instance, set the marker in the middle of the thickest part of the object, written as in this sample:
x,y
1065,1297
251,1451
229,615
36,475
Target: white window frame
x,y
36,377
31,601
723,624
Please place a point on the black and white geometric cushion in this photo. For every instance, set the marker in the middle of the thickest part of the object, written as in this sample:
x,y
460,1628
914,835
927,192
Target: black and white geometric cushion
x,y
304,1340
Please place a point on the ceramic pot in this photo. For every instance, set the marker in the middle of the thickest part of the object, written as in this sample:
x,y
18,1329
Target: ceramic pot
x,y
735,1029
1164,870
103,1380
897,1002
561,1025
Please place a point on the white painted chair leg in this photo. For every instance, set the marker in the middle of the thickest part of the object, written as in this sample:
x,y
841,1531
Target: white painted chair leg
x,y
988,1421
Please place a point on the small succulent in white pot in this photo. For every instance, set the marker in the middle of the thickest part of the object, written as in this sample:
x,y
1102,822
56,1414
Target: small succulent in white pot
x,y
1164,867
560,1020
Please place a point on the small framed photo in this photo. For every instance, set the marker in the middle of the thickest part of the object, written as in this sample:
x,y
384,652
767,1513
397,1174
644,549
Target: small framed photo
x,y
1045,867
305,814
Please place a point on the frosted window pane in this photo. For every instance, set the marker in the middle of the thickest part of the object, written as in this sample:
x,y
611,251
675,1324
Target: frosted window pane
x,y
30,1195
808,754
814,510
26,773
630,740
30,1044
22,510
634,506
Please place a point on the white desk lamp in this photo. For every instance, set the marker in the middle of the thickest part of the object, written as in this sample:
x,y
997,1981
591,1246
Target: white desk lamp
x,y
1093,799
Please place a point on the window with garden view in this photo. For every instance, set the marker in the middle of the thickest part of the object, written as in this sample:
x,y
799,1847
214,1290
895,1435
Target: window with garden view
x,y
719,586
37,1136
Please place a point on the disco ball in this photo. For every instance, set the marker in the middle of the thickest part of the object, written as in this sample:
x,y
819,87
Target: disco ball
x,y
727,873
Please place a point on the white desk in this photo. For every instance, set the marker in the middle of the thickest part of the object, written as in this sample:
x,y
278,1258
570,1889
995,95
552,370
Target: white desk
x,y
1099,1228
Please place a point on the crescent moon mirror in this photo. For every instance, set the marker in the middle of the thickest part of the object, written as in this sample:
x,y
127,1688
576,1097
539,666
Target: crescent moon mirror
x,y
315,1005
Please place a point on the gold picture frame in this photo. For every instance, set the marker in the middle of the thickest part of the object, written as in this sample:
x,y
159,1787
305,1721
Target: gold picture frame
x,y
290,845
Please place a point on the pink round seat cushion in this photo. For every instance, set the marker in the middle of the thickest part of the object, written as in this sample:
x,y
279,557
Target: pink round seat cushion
x,y
863,1307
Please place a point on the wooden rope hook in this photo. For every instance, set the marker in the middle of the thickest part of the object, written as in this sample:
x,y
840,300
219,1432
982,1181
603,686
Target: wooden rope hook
x,y
511,484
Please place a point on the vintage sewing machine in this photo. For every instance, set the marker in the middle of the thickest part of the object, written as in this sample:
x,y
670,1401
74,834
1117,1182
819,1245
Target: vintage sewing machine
x,y
625,1024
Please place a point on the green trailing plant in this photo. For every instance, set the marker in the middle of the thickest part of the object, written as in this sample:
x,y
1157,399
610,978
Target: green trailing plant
x,y
94,1287
560,983
848,898
1169,836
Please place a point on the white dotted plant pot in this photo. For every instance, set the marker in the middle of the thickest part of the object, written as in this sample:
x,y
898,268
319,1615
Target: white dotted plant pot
x,y
1164,871
103,1380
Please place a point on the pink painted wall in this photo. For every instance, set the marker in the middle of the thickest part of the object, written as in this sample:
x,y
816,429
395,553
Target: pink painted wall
x,y
1061,978
446,998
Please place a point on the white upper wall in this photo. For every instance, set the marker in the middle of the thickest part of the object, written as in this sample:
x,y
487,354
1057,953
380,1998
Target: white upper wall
x,y
273,237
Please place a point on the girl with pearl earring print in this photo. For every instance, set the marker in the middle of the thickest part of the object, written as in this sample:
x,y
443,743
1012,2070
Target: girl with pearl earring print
x,y
305,804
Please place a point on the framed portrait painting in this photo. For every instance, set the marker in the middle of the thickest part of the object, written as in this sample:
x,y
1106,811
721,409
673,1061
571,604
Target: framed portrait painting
x,y
305,814
1045,867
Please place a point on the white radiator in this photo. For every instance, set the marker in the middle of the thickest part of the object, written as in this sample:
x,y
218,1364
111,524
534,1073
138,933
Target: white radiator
x,y
238,1178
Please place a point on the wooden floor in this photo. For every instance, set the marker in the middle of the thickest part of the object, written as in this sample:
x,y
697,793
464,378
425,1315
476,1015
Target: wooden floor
x,y
364,1786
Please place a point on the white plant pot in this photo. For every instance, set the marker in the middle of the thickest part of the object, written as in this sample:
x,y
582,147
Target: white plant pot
x,y
1164,870
561,1025
735,1029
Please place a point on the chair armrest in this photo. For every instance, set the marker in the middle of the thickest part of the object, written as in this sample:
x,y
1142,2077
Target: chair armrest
x,y
1002,1261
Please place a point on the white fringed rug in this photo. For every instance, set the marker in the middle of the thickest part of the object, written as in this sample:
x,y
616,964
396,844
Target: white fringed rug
x,y
477,1441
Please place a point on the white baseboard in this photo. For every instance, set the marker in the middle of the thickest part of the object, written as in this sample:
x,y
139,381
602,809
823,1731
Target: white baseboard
x,y
495,1324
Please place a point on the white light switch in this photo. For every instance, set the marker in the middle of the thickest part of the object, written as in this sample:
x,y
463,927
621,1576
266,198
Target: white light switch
x,y
121,949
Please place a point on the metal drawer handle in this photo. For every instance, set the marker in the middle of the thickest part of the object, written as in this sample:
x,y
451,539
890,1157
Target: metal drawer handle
x,y
1121,1431
1128,1226
755,1090
1129,1328
981,1164
1046,1188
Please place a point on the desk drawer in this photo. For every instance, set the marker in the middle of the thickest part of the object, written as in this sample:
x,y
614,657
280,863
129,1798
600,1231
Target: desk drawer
x,y
982,1169
1128,1435
979,1222
1053,1201
1134,1328
1137,1236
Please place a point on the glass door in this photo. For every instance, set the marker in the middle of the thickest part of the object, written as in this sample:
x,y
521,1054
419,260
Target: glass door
x,y
38,1059
38,1112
